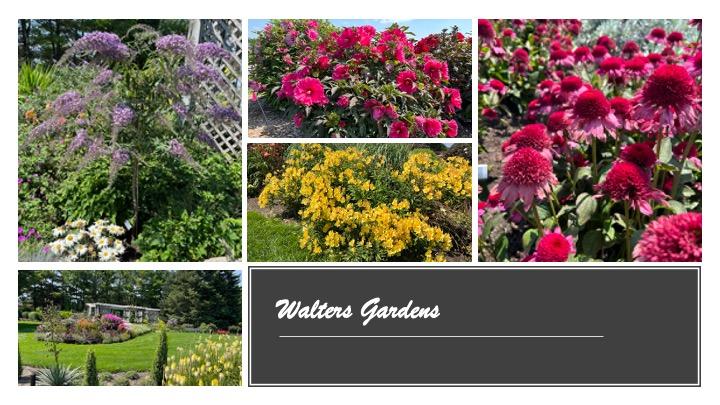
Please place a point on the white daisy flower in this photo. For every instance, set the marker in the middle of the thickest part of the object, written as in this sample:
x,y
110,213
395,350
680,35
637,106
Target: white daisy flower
x,y
58,232
102,241
81,250
57,247
80,223
107,255
116,230
70,239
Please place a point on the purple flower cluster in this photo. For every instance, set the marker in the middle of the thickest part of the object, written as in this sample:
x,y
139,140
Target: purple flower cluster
x,y
177,149
172,44
120,157
111,322
50,126
199,72
181,109
29,234
68,103
210,50
206,139
122,116
78,141
104,77
104,44
223,114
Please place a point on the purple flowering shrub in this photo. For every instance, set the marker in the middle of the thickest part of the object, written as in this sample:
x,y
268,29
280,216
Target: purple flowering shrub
x,y
118,136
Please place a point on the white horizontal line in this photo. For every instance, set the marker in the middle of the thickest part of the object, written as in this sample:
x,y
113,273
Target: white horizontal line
x,y
447,336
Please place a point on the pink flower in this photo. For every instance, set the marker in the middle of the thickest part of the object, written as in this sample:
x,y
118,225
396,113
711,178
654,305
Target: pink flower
x,y
348,38
592,116
398,129
454,100
527,174
312,34
629,182
298,119
553,247
340,72
668,101
405,81
436,70
451,128
671,238
432,127
309,91
343,102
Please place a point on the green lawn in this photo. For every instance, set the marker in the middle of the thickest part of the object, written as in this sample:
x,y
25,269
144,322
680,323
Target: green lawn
x,y
132,355
272,240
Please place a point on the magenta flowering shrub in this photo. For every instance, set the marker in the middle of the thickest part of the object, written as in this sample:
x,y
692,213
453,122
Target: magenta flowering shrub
x,y
354,81
603,161
108,328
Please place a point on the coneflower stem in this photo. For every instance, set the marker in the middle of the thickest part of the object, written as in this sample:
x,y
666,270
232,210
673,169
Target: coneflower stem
x,y
656,175
628,234
678,172
538,223
594,160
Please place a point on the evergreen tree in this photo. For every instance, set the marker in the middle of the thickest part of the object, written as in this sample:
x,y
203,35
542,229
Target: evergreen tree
x,y
158,371
91,375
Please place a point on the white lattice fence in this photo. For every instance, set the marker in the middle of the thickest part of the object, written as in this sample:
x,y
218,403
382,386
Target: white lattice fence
x,y
228,34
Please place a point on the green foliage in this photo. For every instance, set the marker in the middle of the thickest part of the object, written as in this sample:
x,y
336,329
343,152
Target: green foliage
x,y
58,375
19,363
91,375
197,297
33,79
158,370
34,316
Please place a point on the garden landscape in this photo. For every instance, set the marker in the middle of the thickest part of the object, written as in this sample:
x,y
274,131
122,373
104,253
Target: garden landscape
x,y
119,153
593,133
131,327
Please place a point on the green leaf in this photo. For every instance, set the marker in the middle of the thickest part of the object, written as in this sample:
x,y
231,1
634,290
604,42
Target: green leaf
x,y
582,172
501,248
528,238
665,150
592,242
586,206
677,207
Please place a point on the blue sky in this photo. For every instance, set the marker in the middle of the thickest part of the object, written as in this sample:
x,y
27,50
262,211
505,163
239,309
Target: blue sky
x,y
421,28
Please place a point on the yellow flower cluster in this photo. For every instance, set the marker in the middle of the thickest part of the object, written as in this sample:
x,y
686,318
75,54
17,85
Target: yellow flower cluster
x,y
437,178
213,361
350,206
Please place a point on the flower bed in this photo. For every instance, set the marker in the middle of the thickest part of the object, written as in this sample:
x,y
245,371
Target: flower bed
x,y
602,154
213,361
355,206
354,81
108,328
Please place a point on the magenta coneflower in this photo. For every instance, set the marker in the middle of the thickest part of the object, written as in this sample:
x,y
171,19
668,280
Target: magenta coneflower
x,y
694,65
561,57
612,67
599,53
640,153
674,38
582,54
486,31
622,108
553,246
571,87
526,175
671,238
656,35
668,102
606,41
557,122
519,61
592,117
530,136
638,67
630,49
630,183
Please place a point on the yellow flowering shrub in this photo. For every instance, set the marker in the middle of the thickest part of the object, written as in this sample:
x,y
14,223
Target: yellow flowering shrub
x,y
214,360
354,207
